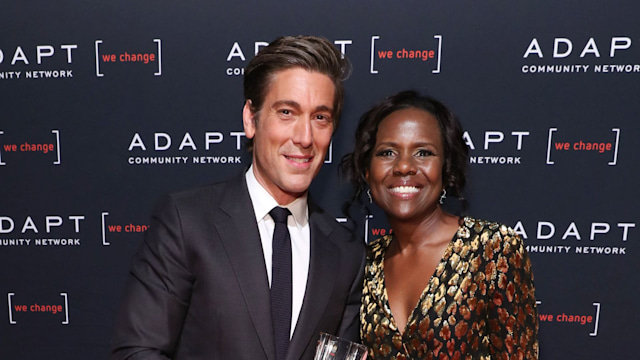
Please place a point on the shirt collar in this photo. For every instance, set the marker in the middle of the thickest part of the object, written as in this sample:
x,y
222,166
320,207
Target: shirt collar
x,y
263,202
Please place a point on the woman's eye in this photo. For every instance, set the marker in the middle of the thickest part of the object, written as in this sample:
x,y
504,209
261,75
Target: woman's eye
x,y
385,153
424,152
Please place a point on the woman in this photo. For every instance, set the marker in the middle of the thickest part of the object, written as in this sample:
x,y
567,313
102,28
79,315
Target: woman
x,y
440,286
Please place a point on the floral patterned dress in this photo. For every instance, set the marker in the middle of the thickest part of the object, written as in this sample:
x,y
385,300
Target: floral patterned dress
x,y
478,304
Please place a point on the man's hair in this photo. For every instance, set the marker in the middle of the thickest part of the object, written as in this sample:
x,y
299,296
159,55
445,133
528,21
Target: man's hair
x,y
311,53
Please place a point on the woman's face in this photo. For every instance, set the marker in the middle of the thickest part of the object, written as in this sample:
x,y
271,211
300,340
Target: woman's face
x,y
405,174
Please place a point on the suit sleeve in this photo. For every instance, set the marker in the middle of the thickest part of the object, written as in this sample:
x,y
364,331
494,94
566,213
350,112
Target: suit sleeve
x,y
350,324
156,297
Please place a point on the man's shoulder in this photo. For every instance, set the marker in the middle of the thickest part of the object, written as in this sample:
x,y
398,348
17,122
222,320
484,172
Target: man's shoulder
x,y
213,189
205,194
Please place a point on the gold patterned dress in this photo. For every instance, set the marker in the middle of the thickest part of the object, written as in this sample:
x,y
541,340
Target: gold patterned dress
x,y
478,304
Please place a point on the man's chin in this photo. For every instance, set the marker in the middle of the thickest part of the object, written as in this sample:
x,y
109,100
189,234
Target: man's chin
x,y
298,188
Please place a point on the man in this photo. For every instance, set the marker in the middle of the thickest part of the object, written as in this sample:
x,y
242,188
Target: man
x,y
203,286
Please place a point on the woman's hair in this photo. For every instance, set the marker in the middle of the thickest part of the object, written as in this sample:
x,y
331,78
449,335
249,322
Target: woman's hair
x,y
355,165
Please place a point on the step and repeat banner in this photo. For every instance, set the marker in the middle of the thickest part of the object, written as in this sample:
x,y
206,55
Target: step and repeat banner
x,y
107,106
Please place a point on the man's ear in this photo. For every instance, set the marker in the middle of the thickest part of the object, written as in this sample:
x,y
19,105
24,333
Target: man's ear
x,y
248,120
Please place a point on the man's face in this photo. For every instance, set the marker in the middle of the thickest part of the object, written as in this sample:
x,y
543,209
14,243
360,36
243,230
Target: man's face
x,y
292,132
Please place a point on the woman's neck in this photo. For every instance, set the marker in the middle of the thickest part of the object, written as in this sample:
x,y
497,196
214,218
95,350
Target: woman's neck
x,y
431,229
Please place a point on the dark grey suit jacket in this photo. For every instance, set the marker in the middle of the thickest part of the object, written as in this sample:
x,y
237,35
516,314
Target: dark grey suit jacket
x,y
198,288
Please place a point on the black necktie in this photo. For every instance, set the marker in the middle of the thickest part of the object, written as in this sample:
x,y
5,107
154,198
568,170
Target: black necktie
x,y
281,281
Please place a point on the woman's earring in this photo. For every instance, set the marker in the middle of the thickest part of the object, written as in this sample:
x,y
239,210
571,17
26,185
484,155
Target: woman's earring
x,y
443,196
369,195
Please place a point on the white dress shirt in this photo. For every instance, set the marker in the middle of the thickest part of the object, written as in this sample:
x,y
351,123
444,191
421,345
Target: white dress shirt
x,y
298,225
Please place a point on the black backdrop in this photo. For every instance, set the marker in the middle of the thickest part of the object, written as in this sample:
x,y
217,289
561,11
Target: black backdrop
x,y
92,93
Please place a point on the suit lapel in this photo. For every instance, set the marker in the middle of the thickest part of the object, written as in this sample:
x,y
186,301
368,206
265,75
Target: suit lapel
x,y
241,239
323,268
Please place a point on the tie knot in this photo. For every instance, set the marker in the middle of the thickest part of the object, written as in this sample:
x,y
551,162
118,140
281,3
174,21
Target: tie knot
x,y
280,214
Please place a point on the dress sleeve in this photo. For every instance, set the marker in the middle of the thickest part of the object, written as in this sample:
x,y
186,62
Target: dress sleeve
x,y
157,293
513,319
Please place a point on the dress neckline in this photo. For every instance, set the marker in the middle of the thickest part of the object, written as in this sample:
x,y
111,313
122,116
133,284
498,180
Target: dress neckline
x,y
430,284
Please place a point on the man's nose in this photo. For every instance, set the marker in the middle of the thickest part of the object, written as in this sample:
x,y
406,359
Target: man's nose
x,y
303,133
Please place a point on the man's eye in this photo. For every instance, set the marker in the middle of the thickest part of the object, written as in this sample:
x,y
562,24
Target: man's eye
x,y
285,112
